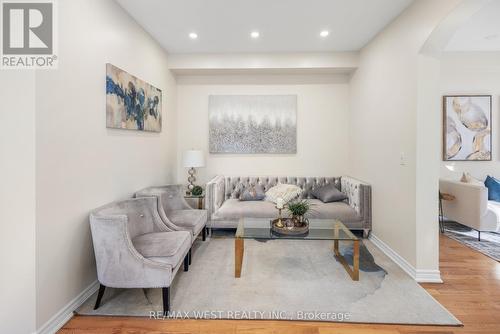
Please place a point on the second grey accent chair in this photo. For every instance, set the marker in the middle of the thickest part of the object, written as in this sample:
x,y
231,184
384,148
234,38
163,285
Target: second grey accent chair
x,y
135,249
175,212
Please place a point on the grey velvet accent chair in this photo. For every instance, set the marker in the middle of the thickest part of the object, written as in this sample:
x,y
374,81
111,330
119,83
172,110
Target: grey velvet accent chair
x,y
135,249
175,212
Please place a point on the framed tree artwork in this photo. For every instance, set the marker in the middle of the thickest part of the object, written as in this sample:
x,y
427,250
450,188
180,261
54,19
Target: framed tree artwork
x,y
253,124
467,128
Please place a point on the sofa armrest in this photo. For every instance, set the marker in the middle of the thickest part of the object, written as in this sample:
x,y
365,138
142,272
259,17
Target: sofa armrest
x,y
359,196
215,195
119,264
470,204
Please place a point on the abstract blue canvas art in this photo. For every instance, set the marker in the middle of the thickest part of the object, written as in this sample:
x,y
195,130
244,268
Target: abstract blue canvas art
x,y
131,103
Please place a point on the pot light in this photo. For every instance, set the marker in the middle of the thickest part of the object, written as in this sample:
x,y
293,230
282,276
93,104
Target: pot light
x,y
255,34
193,35
324,33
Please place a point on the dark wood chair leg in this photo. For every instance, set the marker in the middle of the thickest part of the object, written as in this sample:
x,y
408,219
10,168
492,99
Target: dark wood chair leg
x,y
186,262
166,300
204,234
478,235
441,215
190,255
99,296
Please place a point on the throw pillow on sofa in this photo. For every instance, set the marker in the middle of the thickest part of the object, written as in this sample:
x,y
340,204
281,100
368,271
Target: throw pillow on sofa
x,y
493,186
253,193
285,191
328,193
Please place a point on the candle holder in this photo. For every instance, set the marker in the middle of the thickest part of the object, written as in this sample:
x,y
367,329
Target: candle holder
x,y
285,226
279,223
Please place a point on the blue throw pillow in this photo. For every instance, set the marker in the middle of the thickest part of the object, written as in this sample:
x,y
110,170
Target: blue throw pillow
x,y
493,186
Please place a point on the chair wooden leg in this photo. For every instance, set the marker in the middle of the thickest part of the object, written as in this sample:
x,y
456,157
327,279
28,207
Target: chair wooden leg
x,y
186,262
204,234
166,300
99,296
190,255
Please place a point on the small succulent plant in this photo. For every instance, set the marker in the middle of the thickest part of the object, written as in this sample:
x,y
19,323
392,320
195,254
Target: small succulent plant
x,y
197,191
299,208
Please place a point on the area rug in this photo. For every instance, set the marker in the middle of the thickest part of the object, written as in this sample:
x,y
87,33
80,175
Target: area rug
x,y
283,280
489,244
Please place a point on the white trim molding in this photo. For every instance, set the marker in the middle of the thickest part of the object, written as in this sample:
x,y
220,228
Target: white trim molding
x,y
419,275
428,276
66,313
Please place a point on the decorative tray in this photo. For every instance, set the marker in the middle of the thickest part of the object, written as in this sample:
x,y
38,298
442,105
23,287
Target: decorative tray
x,y
289,227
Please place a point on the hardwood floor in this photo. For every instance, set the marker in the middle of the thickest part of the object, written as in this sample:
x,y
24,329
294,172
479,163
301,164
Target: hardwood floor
x,y
471,291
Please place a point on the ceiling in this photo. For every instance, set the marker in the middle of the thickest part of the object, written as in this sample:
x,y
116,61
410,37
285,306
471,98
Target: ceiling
x,y
224,26
481,32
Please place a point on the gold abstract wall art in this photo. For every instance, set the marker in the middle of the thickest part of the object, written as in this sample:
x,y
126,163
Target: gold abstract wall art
x,y
467,128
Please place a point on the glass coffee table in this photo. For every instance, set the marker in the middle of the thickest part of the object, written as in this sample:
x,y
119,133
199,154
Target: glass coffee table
x,y
319,229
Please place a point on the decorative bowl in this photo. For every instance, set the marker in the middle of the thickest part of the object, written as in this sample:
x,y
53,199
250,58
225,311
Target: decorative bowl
x,y
289,226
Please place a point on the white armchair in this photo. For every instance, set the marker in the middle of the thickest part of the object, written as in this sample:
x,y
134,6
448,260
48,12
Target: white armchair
x,y
470,206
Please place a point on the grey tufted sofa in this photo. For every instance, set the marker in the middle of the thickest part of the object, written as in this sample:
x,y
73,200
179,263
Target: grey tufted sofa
x,y
224,208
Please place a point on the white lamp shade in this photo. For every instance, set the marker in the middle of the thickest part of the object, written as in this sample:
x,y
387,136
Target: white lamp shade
x,y
193,158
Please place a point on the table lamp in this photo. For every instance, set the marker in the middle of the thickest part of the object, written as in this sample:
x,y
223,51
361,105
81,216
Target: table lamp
x,y
191,160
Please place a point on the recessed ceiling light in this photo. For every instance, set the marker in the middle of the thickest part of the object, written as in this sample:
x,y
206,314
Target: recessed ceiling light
x,y
255,34
193,35
324,33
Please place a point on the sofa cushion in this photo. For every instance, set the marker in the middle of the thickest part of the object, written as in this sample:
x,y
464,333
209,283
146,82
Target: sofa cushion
x,y
193,220
333,210
253,193
172,246
328,193
235,209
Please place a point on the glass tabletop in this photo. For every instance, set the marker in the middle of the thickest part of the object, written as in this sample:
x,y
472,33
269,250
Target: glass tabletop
x,y
319,229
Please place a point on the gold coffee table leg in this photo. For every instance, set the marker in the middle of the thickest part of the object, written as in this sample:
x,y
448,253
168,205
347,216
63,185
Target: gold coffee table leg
x,y
354,272
238,256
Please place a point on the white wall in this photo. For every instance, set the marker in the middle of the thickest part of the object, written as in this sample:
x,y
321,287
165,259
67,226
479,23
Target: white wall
x,y
384,125
473,73
17,202
80,163
322,125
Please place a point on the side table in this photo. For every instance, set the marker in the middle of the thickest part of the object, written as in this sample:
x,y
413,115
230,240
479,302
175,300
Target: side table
x,y
443,197
200,198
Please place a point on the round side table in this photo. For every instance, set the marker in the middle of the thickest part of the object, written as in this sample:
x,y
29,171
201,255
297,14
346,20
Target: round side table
x,y
443,197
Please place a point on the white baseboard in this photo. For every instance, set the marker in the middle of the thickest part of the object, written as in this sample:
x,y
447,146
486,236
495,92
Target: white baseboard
x,y
57,321
428,276
421,276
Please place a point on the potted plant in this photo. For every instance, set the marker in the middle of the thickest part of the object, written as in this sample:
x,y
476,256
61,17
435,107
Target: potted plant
x,y
298,209
197,191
